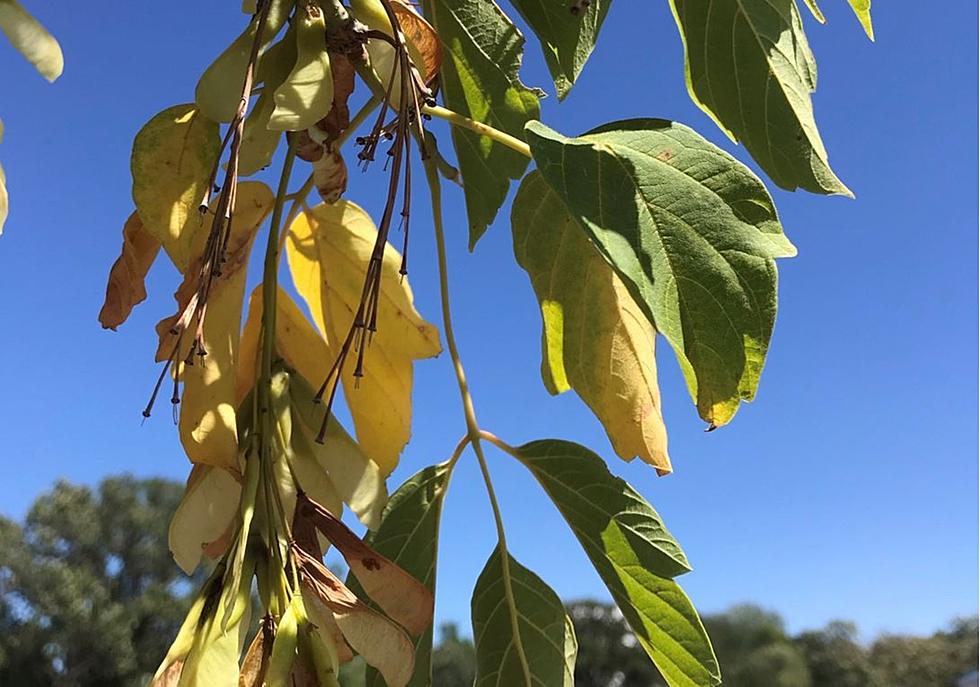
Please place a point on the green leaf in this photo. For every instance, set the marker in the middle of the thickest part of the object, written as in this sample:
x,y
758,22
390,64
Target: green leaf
x,y
691,232
567,37
31,39
480,80
545,635
173,155
409,537
749,67
634,554
862,8
595,338
815,11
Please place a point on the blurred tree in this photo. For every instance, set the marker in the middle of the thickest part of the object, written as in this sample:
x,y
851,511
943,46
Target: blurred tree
x,y
89,594
901,661
835,657
608,653
453,660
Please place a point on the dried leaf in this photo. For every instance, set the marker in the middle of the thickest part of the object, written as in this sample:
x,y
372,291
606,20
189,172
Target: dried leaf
x,y
208,428
328,249
403,598
330,175
256,660
126,287
425,48
338,119
306,148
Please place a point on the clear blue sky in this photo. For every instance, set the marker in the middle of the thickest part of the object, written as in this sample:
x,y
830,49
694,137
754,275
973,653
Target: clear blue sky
x,y
847,490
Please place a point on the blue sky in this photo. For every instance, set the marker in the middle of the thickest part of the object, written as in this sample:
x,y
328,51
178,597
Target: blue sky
x,y
848,489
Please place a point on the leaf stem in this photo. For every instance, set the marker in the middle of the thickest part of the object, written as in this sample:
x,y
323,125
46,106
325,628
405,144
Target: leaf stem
x,y
472,426
497,135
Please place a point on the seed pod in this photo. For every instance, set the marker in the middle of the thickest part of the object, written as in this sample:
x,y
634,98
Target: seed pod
x,y
307,94
284,647
330,175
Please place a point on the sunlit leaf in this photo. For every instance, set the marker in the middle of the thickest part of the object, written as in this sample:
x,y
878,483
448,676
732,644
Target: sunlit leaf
x,y
634,554
567,37
595,339
693,235
208,429
32,40
219,90
815,11
306,95
4,199
409,537
173,155
328,248
749,66
356,479
126,287
862,8
206,511
545,636
480,79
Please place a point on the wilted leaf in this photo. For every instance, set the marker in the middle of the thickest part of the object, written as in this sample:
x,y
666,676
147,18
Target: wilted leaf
x,y
691,232
480,79
567,38
306,96
402,597
595,338
634,554
328,249
208,429
338,119
330,175
208,507
32,41
862,8
546,637
356,479
379,641
173,155
126,287
424,45
749,67
409,537
219,91
256,660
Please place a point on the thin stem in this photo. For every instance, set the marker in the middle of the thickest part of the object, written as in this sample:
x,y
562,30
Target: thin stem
x,y
472,427
497,135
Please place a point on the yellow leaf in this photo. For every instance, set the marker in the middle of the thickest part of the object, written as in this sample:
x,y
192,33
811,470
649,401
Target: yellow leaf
x,y
173,155
353,477
126,287
208,429
259,142
31,39
209,505
306,96
596,340
328,249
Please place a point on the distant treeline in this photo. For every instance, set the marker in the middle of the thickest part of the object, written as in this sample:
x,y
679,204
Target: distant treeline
x,y
90,597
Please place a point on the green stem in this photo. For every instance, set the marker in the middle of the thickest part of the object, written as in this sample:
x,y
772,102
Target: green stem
x,y
497,135
472,426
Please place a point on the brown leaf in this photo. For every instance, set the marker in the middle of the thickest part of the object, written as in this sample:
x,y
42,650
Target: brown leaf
x,y
338,119
330,175
425,46
306,148
256,660
379,641
126,287
171,676
406,600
